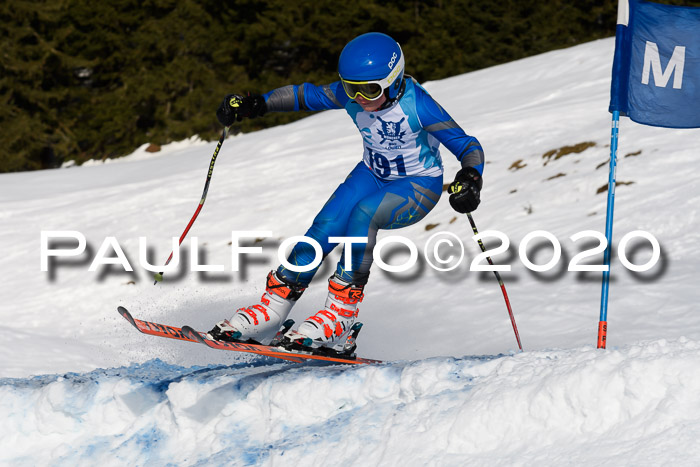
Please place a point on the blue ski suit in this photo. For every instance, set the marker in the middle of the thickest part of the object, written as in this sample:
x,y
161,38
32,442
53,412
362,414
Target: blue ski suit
x,y
396,184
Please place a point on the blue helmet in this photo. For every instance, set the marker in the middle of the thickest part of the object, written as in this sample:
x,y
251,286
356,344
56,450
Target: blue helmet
x,y
372,57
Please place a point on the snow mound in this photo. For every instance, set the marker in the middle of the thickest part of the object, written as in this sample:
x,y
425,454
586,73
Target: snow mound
x,y
630,406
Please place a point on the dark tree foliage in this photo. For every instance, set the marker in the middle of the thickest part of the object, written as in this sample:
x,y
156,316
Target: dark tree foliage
x,y
81,79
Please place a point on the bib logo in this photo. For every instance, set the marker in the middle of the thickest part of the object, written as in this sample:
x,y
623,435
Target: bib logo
x,y
391,131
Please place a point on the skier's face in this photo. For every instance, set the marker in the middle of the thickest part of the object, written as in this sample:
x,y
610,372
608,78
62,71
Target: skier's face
x,y
370,106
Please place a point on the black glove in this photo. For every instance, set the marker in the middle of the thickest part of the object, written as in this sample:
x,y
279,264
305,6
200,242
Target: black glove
x,y
235,107
464,191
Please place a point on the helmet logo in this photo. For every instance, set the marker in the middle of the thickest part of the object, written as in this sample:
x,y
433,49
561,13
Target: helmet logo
x,y
392,61
392,76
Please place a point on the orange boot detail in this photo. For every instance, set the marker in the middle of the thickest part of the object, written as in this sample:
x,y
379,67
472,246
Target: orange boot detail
x,y
330,327
260,322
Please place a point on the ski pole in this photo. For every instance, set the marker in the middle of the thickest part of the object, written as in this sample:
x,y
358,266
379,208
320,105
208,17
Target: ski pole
x,y
500,282
159,276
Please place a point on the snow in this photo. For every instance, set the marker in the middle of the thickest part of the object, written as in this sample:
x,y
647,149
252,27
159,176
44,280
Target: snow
x,y
80,386
557,407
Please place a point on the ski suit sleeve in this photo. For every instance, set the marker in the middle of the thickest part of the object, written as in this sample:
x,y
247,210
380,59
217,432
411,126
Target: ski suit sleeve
x,y
306,96
436,121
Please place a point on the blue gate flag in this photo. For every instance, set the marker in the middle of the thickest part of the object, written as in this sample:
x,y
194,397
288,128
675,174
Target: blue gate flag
x,y
656,71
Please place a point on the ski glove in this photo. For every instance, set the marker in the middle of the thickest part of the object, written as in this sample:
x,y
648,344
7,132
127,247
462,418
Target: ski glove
x,y
236,108
464,191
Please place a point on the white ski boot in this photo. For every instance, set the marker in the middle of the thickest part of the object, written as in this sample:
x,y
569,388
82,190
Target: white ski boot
x,y
260,323
330,327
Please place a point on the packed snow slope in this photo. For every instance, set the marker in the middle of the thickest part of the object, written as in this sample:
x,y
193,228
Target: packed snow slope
x,y
632,406
453,390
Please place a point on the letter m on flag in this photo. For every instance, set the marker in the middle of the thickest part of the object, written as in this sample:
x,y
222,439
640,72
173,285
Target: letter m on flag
x,y
656,72
652,63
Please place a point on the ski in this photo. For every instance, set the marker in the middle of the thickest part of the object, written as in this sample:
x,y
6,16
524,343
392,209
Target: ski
x,y
187,333
154,329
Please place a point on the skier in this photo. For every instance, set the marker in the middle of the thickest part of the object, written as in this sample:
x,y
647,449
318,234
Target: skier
x,y
396,184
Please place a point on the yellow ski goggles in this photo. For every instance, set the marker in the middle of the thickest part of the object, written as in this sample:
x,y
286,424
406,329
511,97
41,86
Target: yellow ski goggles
x,y
371,90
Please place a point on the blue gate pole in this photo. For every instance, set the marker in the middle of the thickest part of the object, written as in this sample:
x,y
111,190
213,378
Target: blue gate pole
x,y
603,324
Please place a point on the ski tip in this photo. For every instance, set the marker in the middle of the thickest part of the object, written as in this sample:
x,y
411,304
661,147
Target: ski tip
x,y
126,315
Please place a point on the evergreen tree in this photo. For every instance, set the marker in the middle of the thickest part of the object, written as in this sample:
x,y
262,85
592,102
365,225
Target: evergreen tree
x,y
81,79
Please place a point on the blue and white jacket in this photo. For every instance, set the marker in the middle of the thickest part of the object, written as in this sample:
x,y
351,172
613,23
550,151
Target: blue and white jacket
x,y
401,138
